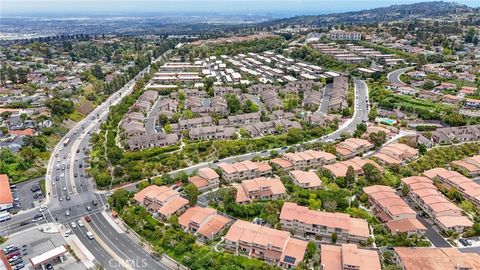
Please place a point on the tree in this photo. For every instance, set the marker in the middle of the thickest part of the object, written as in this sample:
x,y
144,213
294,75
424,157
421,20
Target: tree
x,y
60,107
119,199
334,237
372,174
372,114
192,193
378,138
422,149
167,128
428,85
97,72
233,103
249,106
311,250
350,176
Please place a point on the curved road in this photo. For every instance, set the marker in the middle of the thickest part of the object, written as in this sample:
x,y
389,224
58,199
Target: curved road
x,y
394,76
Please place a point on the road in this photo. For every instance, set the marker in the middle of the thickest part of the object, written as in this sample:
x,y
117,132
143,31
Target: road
x,y
394,76
327,92
70,189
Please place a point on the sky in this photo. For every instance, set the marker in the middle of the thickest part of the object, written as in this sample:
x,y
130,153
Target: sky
x,y
170,7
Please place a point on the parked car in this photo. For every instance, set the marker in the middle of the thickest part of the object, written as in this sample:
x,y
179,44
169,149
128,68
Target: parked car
x,y
88,219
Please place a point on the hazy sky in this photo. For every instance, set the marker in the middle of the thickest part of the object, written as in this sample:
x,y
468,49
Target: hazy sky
x,y
285,7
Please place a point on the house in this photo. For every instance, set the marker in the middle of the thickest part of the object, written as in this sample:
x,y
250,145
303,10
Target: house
x,y
271,127
168,105
308,180
205,121
338,98
348,257
408,258
340,169
303,221
273,246
6,198
206,179
204,222
260,188
344,35
244,170
352,147
161,201
409,226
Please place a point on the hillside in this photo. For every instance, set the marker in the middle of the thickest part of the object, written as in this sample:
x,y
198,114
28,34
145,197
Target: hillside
x,y
394,12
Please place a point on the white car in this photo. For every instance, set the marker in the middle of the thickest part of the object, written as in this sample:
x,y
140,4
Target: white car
x,y
73,224
67,213
64,188
43,208
80,223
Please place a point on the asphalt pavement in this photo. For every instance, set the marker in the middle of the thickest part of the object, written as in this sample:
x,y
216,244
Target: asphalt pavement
x,y
394,76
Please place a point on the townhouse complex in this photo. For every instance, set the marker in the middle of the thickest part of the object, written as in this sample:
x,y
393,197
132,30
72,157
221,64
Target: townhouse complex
x,y
206,179
348,256
444,213
301,220
206,223
265,243
435,258
352,147
393,210
260,188
244,170
161,201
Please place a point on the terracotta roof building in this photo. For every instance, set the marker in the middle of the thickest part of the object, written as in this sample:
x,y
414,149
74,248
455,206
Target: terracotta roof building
x,y
470,165
300,219
6,198
396,153
435,259
466,186
426,196
244,170
206,179
348,256
339,169
162,201
309,180
352,147
204,222
260,189
274,246
309,159
390,208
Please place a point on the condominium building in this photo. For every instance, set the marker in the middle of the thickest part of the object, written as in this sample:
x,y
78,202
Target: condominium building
x,y
260,189
444,213
344,35
469,165
348,257
395,153
308,180
161,201
408,258
300,219
273,246
206,179
340,169
206,223
309,159
352,147
469,189
244,170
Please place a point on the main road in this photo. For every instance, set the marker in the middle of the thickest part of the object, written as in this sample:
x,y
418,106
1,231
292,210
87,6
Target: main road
x,y
71,193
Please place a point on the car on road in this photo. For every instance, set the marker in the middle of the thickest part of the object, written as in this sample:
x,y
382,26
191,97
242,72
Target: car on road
x,y
60,198
80,223
68,198
64,188
24,223
88,208
90,235
67,213
43,208
94,203
73,224
34,220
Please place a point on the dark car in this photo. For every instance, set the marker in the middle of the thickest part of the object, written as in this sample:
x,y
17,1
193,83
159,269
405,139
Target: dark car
x,y
68,198
88,219
23,223
94,202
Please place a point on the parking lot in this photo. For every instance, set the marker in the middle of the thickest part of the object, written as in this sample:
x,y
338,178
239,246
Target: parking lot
x,y
23,194
33,242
